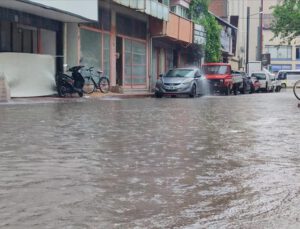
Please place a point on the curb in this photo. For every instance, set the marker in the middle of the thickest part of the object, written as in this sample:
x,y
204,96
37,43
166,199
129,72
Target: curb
x,y
56,99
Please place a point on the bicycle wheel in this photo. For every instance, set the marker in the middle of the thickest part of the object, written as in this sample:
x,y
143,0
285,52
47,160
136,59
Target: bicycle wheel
x,y
89,86
104,84
296,89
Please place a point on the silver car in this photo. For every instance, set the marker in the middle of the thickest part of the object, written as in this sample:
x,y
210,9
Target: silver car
x,y
189,81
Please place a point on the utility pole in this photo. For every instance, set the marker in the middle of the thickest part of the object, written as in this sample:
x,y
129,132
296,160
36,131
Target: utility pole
x,y
247,42
260,30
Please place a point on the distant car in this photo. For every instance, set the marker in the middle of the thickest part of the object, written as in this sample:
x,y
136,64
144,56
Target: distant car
x,y
264,80
255,85
186,81
247,83
276,83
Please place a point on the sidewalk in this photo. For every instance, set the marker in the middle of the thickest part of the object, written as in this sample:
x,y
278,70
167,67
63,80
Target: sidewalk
x,y
75,97
119,95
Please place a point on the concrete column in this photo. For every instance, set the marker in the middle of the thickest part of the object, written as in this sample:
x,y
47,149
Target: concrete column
x,y
4,89
113,37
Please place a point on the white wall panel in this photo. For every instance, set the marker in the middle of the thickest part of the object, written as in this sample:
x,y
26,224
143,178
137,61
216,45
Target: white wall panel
x,y
85,8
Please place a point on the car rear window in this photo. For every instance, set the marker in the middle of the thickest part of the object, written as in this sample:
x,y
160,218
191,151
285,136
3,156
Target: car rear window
x,y
259,76
180,73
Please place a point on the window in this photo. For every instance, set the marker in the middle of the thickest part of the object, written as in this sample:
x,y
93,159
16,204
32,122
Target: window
x,y
180,11
95,49
165,2
173,9
259,76
16,37
277,67
298,53
279,52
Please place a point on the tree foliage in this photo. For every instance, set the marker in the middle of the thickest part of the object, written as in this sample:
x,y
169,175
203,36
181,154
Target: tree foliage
x,y
286,23
200,15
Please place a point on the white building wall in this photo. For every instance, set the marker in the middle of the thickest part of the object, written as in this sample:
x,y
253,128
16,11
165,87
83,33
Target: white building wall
x,y
239,8
84,8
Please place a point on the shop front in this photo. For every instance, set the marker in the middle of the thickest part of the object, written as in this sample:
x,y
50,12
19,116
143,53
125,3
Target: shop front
x,y
131,52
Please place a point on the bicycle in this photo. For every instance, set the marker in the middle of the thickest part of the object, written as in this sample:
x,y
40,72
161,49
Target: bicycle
x,y
91,85
296,89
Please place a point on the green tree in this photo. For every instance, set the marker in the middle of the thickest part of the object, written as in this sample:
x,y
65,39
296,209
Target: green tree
x,y
200,15
286,23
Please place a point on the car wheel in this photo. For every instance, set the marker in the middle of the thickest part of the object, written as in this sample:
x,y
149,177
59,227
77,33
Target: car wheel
x,y
62,91
235,91
243,90
278,88
158,95
193,93
267,90
227,90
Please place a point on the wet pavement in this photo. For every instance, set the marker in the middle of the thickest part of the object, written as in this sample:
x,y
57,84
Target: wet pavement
x,y
209,162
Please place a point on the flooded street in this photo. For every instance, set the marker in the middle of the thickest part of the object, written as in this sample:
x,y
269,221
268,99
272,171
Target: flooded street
x,y
209,162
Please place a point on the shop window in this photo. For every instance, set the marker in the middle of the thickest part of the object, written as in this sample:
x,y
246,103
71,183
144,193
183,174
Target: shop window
x,y
135,63
91,48
95,49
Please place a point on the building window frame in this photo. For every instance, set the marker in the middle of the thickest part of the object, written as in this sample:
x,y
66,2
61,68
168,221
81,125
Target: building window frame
x,y
281,52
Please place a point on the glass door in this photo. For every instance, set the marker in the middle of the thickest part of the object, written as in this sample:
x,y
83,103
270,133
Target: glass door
x,y
135,67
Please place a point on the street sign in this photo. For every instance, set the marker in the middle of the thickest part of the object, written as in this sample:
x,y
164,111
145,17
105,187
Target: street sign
x,y
266,59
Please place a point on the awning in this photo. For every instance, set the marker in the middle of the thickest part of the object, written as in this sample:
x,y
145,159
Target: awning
x,y
44,11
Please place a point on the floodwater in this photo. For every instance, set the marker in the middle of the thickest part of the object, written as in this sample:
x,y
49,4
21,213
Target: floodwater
x,y
209,162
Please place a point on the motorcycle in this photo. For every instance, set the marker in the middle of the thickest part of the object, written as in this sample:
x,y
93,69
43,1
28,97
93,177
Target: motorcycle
x,y
66,84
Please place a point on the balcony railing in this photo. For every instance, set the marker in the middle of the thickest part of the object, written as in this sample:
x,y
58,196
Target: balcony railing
x,y
150,7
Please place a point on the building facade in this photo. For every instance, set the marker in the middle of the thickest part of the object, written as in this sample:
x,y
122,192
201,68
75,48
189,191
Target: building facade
x,y
283,56
258,33
132,41
37,26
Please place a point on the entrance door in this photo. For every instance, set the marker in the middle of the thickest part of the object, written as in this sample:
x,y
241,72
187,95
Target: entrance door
x,y
119,62
135,64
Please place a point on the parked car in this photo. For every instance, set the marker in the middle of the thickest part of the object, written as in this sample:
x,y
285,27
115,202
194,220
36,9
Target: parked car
x,y
288,77
188,81
220,78
255,85
264,80
276,83
246,85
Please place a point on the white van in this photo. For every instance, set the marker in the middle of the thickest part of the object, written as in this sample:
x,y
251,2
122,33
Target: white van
x,y
288,77
264,79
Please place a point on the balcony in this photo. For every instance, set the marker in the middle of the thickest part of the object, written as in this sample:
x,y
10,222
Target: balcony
x,y
149,7
176,28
